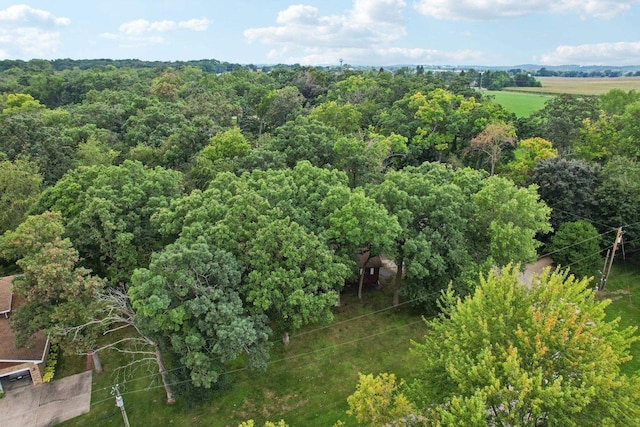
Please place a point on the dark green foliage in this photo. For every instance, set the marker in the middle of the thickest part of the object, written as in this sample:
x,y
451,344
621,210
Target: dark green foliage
x,y
576,245
568,188
190,296
107,211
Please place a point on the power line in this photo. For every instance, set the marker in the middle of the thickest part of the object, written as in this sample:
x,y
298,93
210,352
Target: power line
x,y
577,243
295,356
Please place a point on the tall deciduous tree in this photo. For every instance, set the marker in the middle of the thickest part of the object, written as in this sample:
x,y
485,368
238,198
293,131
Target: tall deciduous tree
x,y
189,296
107,211
525,156
508,218
492,140
20,186
576,245
362,226
568,187
431,249
56,293
510,355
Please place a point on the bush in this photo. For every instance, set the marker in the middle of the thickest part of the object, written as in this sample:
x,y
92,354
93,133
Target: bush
x,y
50,367
576,245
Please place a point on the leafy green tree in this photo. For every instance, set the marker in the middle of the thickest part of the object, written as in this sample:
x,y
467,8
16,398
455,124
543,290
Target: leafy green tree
x,y
189,296
510,355
41,137
279,106
509,218
360,226
618,197
344,117
363,158
431,249
442,115
20,186
379,401
94,152
563,116
576,245
226,145
305,139
56,293
525,156
107,211
292,275
568,187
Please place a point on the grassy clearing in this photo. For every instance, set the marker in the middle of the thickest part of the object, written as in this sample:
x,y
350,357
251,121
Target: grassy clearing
x,y
306,383
521,104
581,86
623,288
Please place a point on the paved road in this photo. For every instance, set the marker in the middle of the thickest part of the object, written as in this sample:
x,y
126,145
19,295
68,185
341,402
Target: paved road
x,y
47,404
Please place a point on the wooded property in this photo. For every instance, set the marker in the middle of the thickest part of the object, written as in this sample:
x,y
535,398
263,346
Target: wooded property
x,y
264,244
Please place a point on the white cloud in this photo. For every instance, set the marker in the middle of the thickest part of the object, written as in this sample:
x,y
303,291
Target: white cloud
x,y
141,32
500,9
27,33
621,53
368,23
24,15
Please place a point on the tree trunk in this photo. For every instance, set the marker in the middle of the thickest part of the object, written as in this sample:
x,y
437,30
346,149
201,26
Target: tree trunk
x,y
163,373
360,283
97,364
285,338
397,281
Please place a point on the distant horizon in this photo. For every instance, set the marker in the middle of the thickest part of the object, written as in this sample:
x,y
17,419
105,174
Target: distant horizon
x,y
528,66
315,32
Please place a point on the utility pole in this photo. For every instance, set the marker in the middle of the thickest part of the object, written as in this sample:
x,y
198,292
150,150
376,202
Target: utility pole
x,y
605,274
120,404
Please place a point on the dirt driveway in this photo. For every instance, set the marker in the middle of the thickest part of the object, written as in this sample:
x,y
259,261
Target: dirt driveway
x,y
47,404
533,270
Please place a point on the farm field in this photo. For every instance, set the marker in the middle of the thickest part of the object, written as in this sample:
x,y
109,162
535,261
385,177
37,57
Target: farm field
x,y
521,104
581,86
306,383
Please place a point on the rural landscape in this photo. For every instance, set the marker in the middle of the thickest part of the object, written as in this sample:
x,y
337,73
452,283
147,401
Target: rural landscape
x,y
308,246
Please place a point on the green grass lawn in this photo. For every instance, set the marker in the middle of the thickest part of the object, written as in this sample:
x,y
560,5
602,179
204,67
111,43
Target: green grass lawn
x,y
306,383
623,288
521,104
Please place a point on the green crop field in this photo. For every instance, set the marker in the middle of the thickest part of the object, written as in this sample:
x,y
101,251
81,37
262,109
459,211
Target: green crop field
x,y
581,86
521,104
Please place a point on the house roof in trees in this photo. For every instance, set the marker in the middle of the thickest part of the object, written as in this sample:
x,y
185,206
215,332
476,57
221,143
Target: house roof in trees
x,y
34,350
373,262
5,294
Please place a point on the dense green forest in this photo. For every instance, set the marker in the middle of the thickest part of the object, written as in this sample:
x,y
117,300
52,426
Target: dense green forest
x,y
217,209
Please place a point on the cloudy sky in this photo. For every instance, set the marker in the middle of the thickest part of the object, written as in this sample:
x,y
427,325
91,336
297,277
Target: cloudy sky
x,y
361,32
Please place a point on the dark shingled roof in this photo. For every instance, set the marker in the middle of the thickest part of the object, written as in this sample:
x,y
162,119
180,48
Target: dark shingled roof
x,y
34,349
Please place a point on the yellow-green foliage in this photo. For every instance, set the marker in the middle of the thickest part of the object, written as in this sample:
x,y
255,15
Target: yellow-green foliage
x,y
512,355
50,368
251,423
378,400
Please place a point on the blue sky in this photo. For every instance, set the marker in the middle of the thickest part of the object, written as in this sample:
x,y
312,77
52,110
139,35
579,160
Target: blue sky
x,y
309,32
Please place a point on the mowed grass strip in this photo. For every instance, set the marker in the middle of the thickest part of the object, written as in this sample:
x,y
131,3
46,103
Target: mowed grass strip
x,y
581,85
306,383
521,104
